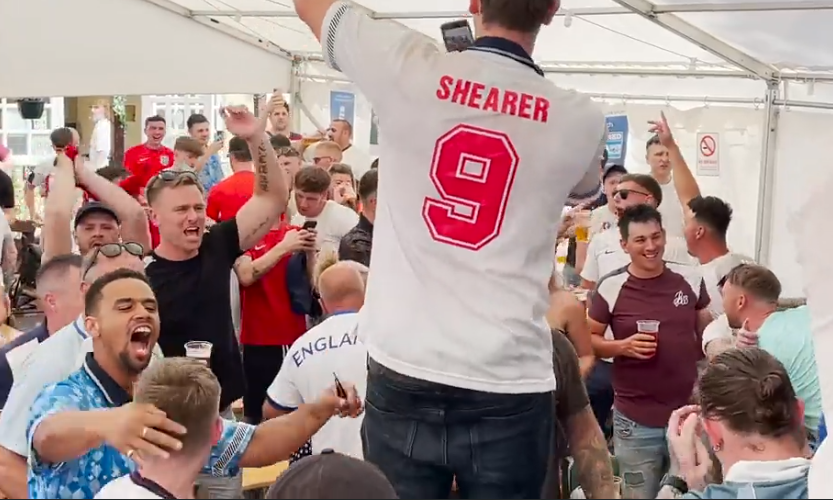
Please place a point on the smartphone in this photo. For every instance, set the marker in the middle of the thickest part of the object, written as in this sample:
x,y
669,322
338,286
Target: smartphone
x,y
340,388
457,35
310,225
219,136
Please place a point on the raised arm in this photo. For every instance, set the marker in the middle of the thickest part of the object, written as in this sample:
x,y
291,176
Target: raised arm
x,y
57,211
134,221
271,192
684,182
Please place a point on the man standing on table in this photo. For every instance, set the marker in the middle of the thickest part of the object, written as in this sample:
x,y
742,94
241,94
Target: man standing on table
x,y
189,270
469,209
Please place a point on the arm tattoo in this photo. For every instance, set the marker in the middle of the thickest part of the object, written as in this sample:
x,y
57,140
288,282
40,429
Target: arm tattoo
x,y
669,492
589,450
262,167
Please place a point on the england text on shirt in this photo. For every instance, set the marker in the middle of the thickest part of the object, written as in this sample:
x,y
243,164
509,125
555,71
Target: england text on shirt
x,y
194,304
672,298
90,388
463,143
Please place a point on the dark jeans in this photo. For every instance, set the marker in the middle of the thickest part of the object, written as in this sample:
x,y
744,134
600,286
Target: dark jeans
x,y
422,435
600,391
261,364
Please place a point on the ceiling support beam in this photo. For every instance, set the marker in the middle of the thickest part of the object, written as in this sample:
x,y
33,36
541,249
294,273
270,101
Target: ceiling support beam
x,y
686,30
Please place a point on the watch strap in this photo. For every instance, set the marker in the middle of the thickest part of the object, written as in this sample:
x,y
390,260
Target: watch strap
x,y
676,482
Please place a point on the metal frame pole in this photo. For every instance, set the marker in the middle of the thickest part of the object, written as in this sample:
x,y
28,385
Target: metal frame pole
x,y
766,178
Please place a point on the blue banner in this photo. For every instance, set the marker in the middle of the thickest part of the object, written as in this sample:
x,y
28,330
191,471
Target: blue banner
x,y
617,139
342,106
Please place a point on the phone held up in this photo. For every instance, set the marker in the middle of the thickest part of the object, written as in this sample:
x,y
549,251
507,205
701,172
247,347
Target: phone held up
x,y
309,225
219,136
457,35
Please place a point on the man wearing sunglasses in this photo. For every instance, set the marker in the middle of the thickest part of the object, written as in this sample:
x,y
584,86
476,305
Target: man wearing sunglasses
x,y
50,362
189,270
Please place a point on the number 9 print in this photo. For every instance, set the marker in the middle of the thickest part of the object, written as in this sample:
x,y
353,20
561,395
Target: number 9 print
x,y
473,170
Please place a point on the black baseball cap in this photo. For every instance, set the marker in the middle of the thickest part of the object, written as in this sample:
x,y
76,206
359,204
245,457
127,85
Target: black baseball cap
x,y
93,207
332,475
613,168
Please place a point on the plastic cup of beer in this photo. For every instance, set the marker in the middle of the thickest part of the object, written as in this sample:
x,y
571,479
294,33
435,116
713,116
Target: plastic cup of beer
x,y
649,326
199,350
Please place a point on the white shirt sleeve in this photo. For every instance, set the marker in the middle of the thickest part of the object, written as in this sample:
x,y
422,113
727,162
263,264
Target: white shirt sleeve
x,y
378,55
590,271
589,188
283,394
345,221
717,329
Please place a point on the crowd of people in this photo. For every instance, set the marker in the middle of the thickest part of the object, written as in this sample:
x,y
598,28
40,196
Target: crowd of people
x,y
197,323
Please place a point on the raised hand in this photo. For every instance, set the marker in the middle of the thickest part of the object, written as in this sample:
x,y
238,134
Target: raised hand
x,y
241,122
662,130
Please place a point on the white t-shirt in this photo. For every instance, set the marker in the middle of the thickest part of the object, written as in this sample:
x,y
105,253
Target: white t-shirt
x,y
672,211
461,260
100,143
334,222
358,161
127,487
601,219
308,370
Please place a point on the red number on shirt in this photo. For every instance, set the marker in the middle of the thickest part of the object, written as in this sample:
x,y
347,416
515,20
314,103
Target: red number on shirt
x,y
473,170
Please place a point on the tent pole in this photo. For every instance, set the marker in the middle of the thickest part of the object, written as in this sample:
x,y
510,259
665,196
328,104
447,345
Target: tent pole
x,y
295,95
766,178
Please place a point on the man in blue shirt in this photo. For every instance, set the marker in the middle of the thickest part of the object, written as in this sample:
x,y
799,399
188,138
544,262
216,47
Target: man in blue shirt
x,y
84,432
57,282
212,170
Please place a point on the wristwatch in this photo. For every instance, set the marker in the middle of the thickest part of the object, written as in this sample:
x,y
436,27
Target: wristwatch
x,y
675,482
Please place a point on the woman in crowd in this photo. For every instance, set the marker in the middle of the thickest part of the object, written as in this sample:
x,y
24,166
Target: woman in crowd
x,y
567,315
754,422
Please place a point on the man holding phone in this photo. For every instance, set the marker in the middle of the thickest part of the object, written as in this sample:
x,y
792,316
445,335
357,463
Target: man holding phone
x,y
209,168
458,343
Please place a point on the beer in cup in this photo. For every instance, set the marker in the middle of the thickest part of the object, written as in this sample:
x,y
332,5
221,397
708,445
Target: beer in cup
x,y
199,350
649,326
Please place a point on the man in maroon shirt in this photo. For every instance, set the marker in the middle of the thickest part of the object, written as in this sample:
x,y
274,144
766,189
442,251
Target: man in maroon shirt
x,y
653,373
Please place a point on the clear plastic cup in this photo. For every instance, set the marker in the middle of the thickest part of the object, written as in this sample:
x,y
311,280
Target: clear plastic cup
x,y
649,326
199,350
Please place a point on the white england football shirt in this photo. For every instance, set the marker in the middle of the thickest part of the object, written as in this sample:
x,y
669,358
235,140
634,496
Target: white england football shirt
x,y
481,153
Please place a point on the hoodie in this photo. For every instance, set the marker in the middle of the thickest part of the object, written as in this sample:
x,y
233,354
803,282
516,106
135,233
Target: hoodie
x,y
780,479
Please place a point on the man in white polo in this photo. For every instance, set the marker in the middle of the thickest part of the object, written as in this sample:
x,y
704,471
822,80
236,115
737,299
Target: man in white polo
x,y
51,361
325,352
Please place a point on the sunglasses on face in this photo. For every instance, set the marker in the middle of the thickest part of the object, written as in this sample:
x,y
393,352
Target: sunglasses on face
x,y
624,193
113,250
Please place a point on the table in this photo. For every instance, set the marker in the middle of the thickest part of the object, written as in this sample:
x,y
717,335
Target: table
x,y
263,477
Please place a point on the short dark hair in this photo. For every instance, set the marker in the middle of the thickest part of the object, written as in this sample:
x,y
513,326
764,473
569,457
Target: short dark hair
x,y
713,212
195,119
341,168
375,164
312,180
155,118
758,281
239,149
653,141
279,141
368,184
61,137
647,183
288,151
638,214
58,266
112,172
95,293
749,390
526,16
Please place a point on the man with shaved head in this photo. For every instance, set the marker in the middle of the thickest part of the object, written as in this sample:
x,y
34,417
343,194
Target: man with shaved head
x,y
324,353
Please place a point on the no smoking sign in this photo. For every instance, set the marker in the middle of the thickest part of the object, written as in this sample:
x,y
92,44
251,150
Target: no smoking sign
x,y
708,155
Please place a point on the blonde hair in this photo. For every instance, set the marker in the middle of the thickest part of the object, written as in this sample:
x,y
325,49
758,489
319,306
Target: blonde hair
x,y
188,393
186,177
329,147
325,261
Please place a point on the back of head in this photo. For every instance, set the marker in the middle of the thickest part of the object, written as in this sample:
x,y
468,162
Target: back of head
x,y
54,273
328,148
757,281
61,137
524,16
330,476
749,391
188,393
340,282
113,173
238,150
713,213
368,185
189,146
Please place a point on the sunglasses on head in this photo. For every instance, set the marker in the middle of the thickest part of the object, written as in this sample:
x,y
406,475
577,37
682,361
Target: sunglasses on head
x,y
172,175
113,250
624,193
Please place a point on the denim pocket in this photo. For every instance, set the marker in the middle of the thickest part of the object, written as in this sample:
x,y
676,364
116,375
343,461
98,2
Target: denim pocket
x,y
622,426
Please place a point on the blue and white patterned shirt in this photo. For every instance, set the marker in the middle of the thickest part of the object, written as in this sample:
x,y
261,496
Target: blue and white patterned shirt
x,y
90,388
211,173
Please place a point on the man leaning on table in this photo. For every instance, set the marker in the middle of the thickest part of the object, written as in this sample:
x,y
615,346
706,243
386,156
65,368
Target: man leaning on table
x,y
85,431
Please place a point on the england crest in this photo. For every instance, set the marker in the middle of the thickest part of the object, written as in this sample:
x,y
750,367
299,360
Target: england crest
x,y
165,160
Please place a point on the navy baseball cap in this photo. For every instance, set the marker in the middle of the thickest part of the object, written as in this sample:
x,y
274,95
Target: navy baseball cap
x,y
93,207
611,169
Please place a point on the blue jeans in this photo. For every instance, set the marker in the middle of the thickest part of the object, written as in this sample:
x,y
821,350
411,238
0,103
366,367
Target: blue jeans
x,y
642,453
422,435
600,392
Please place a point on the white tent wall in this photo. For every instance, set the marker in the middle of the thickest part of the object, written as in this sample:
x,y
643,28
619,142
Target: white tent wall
x,y
740,130
109,47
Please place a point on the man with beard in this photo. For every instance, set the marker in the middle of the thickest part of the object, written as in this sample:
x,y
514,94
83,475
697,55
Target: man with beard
x,y
84,431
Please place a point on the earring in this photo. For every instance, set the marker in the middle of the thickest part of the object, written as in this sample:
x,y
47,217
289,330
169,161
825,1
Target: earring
x,y
717,446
